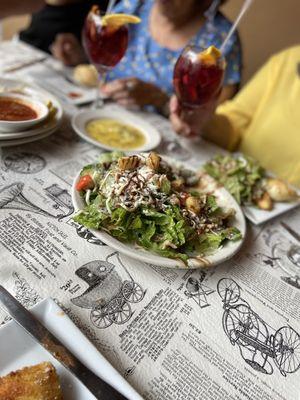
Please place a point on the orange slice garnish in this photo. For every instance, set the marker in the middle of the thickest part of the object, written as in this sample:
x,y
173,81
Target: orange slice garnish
x,y
117,20
210,55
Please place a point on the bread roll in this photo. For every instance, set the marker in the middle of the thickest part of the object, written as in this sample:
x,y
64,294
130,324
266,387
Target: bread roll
x,y
86,74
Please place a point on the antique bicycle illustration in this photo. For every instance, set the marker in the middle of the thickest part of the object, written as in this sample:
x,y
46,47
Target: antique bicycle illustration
x,y
111,292
260,345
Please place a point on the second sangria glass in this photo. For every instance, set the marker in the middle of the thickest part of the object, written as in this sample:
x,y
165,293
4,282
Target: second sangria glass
x,y
198,76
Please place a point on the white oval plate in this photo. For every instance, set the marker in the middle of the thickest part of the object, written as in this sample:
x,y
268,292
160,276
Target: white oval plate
x,y
224,199
80,120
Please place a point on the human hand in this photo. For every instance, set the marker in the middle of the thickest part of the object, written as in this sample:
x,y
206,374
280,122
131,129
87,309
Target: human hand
x,y
189,122
68,49
134,93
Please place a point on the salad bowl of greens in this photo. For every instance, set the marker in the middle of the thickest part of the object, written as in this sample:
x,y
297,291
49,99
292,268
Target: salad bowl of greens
x,y
158,211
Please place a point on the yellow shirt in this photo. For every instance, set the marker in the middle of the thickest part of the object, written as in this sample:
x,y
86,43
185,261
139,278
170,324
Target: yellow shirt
x,y
263,120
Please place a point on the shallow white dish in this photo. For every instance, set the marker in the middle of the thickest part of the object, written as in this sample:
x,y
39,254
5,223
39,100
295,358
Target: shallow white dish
x,y
80,120
28,139
18,350
224,253
257,216
38,106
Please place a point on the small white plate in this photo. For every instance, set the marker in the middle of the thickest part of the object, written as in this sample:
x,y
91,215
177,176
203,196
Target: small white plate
x,y
257,216
80,120
18,350
29,139
224,199
58,80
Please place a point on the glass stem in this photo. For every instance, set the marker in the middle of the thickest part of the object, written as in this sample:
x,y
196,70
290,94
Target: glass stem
x,y
98,103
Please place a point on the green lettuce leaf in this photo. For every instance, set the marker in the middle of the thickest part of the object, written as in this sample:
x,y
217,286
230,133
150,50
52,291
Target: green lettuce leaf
x,y
91,217
239,174
106,158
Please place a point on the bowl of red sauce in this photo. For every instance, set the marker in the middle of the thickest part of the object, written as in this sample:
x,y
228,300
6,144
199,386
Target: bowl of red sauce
x,y
18,113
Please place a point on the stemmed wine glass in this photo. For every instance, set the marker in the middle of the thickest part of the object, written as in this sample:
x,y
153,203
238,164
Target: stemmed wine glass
x,y
105,39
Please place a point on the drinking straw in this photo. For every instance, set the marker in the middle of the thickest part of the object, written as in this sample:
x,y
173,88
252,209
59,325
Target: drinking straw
x,y
110,6
210,15
243,11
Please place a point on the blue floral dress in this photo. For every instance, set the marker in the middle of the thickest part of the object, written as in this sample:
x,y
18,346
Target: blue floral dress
x,y
147,60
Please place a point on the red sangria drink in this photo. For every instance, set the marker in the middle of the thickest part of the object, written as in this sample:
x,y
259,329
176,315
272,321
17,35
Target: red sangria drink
x,y
198,76
105,42
105,39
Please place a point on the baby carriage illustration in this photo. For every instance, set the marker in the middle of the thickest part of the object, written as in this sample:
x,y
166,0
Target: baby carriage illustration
x,y
111,292
62,200
258,342
197,291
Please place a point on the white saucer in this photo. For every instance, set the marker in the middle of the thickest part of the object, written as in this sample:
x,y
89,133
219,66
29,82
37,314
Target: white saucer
x,y
80,120
24,140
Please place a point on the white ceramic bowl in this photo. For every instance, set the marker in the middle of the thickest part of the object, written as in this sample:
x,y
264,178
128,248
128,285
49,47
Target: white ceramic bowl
x,y
80,120
38,106
224,199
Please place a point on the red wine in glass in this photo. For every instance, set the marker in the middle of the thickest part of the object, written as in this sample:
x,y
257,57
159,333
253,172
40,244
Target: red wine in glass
x,y
198,76
105,44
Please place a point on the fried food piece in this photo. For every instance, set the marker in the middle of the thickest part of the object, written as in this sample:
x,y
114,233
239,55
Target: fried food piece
x,y
280,190
39,382
153,161
265,202
130,163
193,204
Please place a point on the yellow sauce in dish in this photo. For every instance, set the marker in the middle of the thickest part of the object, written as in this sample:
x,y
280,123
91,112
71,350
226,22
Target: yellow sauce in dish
x,y
115,134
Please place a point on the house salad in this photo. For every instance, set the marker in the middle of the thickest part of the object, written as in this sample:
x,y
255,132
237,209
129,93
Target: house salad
x,y
248,182
157,205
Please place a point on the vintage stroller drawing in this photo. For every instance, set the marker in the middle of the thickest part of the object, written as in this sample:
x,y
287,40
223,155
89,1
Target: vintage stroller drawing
x,y
197,291
111,293
62,200
258,342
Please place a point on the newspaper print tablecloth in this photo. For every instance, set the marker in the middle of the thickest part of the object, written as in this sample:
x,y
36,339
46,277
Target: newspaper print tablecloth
x,y
226,333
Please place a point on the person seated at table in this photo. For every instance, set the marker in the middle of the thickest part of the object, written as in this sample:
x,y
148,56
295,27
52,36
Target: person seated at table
x,y
17,7
55,18
144,75
262,121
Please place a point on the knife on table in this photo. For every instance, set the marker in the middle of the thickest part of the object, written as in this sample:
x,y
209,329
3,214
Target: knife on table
x,y
290,231
99,388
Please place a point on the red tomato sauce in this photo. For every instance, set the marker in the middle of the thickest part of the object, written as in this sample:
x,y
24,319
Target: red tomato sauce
x,y
15,110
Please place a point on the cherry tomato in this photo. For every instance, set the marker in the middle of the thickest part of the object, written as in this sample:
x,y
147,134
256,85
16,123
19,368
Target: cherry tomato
x,y
84,183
